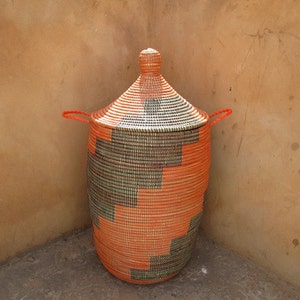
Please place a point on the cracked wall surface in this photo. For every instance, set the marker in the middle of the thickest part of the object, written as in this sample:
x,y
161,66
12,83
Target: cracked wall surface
x,y
244,55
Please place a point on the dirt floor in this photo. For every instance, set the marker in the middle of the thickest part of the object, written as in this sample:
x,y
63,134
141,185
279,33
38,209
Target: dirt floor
x,y
70,269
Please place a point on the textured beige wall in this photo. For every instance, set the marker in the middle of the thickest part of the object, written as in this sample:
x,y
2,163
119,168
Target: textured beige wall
x,y
55,56
244,55
83,54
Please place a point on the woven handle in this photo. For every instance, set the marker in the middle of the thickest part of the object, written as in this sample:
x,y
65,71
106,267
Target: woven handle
x,y
71,114
224,113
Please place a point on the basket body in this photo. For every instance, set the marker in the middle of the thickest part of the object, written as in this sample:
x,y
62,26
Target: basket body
x,y
145,193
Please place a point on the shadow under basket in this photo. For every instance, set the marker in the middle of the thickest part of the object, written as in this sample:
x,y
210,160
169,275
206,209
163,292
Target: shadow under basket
x,y
148,169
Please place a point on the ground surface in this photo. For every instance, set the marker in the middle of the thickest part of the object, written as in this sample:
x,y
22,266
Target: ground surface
x,y
70,269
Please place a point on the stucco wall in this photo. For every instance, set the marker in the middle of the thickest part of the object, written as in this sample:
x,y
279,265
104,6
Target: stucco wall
x,y
244,55
83,54
55,56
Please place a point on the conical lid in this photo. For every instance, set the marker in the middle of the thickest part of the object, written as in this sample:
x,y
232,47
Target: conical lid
x,y
150,103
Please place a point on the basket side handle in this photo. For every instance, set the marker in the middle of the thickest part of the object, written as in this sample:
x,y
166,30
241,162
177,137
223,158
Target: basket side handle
x,y
73,115
223,114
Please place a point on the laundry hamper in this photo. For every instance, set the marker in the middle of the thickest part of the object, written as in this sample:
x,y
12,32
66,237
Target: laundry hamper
x,y
148,169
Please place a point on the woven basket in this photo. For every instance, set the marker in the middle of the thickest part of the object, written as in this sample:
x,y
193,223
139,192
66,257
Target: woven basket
x,y
148,169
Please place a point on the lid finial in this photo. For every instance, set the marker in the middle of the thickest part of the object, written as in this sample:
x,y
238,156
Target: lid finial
x,y
150,61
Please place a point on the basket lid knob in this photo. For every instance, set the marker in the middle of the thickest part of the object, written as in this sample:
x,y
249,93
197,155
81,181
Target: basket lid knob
x,y
150,61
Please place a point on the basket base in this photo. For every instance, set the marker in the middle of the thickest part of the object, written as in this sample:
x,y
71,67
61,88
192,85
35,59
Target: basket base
x,y
135,281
